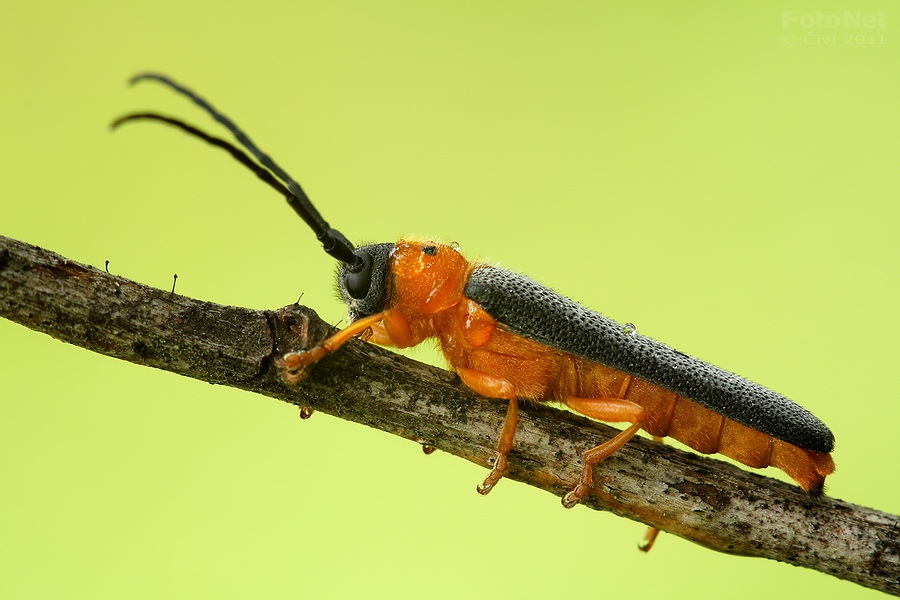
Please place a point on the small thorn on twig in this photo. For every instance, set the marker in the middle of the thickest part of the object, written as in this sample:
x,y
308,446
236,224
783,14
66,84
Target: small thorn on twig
x,y
106,266
174,280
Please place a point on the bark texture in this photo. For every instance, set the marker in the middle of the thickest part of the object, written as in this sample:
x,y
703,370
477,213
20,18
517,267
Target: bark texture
x,y
704,500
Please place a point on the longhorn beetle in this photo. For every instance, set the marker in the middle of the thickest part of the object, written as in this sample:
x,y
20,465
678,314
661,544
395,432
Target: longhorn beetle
x,y
510,338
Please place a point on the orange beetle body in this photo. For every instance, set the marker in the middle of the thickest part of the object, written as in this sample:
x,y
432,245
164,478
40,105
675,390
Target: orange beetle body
x,y
425,298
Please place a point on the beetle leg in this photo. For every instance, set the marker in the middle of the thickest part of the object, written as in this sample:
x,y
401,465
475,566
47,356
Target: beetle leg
x,y
602,409
649,538
293,364
504,445
495,387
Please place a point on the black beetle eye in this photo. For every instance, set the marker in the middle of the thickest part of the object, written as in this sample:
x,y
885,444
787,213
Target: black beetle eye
x,y
429,250
357,283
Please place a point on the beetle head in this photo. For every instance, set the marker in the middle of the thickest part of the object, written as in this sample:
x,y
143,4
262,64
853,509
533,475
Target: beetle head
x,y
363,286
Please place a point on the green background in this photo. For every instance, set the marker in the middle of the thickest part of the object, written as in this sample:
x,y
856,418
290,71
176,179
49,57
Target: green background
x,y
721,174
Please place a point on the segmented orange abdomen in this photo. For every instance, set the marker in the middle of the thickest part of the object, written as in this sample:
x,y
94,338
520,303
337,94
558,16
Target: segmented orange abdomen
x,y
708,432
538,372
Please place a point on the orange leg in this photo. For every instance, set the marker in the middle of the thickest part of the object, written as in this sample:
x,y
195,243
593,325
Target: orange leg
x,y
602,409
293,364
293,360
495,387
649,539
395,328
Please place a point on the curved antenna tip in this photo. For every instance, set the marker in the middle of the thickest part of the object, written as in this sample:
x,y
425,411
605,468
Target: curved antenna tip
x,y
147,75
135,78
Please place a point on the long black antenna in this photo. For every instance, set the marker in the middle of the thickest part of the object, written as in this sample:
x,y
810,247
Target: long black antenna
x,y
235,152
333,241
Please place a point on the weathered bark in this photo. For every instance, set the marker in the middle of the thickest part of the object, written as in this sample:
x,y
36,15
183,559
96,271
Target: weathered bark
x,y
707,501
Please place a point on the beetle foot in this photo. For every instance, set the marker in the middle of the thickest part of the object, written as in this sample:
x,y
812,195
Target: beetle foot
x,y
494,476
572,498
579,491
295,366
296,360
649,538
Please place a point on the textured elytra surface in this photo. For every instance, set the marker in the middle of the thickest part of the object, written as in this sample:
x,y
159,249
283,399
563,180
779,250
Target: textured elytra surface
x,y
531,310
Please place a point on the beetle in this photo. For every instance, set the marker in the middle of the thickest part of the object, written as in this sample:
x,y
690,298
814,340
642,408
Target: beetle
x,y
511,338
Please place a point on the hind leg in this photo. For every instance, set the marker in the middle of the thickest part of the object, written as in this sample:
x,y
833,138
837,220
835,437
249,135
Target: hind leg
x,y
602,409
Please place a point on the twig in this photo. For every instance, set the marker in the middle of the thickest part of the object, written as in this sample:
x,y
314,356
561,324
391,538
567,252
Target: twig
x,y
706,501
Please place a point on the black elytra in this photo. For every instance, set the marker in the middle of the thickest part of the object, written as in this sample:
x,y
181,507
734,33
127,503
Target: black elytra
x,y
530,310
